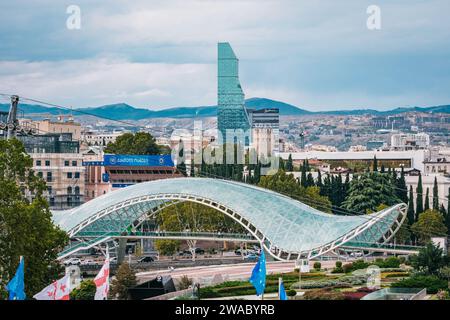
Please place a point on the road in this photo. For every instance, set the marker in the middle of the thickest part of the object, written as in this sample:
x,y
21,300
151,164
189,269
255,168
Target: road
x,y
219,273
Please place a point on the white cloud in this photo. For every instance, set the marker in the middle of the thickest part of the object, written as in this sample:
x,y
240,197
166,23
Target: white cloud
x,y
101,81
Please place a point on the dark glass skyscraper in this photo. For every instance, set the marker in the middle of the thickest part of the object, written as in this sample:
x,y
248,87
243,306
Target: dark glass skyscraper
x,y
232,114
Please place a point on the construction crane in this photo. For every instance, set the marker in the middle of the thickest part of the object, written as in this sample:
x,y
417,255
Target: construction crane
x,y
12,126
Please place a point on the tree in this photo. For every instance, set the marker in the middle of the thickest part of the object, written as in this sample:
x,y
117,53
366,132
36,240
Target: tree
x,y
184,283
402,189
124,280
375,164
447,216
319,183
181,164
444,272
427,200
289,164
429,260
419,194
286,184
435,195
86,291
167,247
192,169
410,213
138,143
403,235
303,179
430,224
26,222
310,180
368,191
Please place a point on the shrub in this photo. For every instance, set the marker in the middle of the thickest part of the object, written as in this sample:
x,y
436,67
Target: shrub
x,y
338,264
337,270
323,294
391,262
359,264
431,282
348,267
184,283
396,274
354,295
86,291
317,265
208,292
291,293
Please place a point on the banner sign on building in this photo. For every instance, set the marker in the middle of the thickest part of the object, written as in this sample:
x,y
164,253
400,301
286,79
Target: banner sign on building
x,y
137,160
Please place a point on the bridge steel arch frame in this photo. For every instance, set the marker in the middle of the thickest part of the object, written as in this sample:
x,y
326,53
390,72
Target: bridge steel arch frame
x,y
134,211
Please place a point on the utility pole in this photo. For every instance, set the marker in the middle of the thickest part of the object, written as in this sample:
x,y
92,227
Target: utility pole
x,y
12,117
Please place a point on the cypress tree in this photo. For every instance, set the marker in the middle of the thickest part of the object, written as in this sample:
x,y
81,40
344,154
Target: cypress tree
x,y
435,195
281,164
410,213
447,216
310,180
419,195
303,180
289,164
319,180
402,189
382,169
427,200
192,173
375,164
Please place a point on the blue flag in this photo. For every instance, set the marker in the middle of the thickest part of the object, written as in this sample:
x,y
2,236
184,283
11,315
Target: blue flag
x,y
16,286
258,278
282,293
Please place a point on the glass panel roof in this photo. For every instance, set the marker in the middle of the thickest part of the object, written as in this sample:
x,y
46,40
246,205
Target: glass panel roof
x,y
287,223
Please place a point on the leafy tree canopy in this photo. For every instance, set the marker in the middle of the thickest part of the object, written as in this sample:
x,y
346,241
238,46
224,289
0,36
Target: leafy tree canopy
x,y
286,184
138,143
125,279
368,191
86,291
430,223
26,222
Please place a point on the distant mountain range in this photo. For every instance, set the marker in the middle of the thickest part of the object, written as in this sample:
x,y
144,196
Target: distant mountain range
x,y
123,111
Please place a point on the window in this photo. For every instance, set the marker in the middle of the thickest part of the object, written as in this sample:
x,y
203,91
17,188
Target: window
x,y
49,177
69,190
40,174
38,163
69,175
66,163
74,163
77,190
47,163
49,189
77,175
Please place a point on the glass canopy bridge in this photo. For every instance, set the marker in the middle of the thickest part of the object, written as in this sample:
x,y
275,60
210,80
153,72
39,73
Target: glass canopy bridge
x,y
286,228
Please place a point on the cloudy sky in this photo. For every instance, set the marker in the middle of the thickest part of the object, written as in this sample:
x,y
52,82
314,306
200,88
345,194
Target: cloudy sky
x,y
318,55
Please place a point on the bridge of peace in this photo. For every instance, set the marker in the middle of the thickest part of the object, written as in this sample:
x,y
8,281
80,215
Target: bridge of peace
x,y
286,228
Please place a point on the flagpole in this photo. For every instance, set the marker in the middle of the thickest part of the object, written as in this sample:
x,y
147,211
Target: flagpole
x,y
279,288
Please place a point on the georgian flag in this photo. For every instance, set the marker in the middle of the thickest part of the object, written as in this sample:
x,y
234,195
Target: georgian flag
x,y
58,290
102,281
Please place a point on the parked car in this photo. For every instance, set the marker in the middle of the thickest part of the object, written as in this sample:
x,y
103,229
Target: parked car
x,y
146,259
72,262
199,251
88,262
